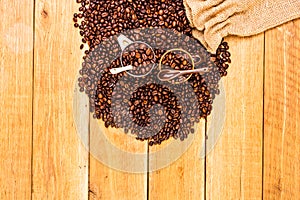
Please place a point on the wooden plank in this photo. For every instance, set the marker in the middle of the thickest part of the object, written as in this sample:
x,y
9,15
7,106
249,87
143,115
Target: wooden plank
x,y
118,164
108,183
182,178
282,113
234,166
16,67
60,165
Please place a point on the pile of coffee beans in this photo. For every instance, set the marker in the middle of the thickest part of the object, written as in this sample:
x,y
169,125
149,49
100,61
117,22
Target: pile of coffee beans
x,y
100,19
145,106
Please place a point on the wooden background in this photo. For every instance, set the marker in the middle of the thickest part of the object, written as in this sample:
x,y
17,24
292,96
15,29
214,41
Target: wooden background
x,y
41,156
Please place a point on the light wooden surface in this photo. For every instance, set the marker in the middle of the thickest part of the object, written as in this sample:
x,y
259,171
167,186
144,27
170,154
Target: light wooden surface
x,y
282,113
234,166
60,161
42,156
16,99
184,178
118,176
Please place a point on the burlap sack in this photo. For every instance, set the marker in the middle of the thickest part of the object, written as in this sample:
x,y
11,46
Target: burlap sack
x,y
214,19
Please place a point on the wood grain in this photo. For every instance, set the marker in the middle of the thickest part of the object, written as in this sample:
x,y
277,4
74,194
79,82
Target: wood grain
x,y
16,41
60,165
282,113
234,166
118,164
108,183
183,178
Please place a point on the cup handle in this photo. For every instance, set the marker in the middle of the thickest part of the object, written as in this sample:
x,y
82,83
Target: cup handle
x,y
124,42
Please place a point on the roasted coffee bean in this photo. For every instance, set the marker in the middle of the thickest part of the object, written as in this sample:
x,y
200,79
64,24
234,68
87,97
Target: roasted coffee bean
x,y
135,112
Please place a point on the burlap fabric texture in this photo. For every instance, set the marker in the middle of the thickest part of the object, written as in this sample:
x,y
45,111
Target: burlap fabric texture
x,y
213,20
